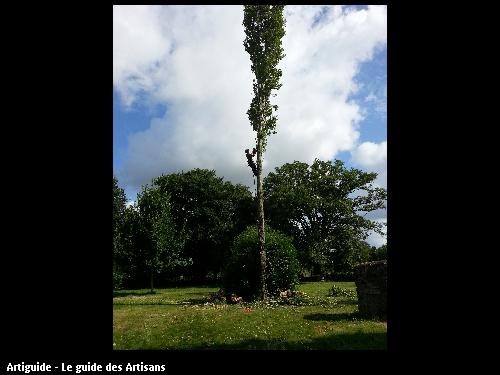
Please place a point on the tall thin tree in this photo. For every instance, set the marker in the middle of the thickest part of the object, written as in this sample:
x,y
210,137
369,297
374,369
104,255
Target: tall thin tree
x,y
264,29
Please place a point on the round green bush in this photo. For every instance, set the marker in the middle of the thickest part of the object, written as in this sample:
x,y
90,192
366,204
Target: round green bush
x,y
242,272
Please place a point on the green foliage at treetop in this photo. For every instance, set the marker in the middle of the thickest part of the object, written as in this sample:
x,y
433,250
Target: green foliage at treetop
x,y
264,28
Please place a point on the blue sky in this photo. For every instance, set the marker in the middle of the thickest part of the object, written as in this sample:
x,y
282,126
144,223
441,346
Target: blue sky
x,y
182,86
372,77
129,121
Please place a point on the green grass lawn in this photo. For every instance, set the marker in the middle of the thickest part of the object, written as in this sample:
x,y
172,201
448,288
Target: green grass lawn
x,y
179,318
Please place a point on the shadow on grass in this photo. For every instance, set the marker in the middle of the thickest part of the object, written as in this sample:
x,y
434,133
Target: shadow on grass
x,y
199,293
119,293
356,341
190,301
348,302
160,303
332,317
343,316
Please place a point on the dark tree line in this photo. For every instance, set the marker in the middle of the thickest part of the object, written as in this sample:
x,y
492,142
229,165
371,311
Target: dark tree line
x,y
183,224
200,211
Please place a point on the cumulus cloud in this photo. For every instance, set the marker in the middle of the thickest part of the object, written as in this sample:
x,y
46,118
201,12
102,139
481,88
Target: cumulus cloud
x,y
138,43
191,59
371,154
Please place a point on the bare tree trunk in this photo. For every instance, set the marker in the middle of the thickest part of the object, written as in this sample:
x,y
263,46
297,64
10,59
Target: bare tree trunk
x,y
260,215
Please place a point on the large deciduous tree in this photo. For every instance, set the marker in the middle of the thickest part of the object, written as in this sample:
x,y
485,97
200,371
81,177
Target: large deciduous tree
x,y
323,207
132,242
166,243
264,28
206,210
211,211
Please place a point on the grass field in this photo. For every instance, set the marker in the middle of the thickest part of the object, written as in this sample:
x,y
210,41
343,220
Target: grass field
x,y
180,318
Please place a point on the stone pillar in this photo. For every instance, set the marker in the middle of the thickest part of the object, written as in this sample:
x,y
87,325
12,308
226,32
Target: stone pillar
x,y
371,286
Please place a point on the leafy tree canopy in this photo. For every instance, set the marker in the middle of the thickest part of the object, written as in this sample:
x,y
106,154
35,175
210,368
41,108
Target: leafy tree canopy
x,y
119,201
323,207
211,211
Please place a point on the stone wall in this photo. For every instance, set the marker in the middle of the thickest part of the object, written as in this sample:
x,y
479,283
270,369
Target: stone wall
x,y
371,286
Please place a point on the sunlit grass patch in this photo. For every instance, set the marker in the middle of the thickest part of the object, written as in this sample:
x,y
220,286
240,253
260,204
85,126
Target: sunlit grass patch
x,y
178,318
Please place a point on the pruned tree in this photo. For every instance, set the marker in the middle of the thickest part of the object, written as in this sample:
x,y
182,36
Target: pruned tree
x,y
264,29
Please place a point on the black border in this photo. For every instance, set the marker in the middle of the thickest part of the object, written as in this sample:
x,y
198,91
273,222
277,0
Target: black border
x,y
56,277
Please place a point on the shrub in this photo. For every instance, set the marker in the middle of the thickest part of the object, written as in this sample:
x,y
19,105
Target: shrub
x,y
297,298
242,272
337,291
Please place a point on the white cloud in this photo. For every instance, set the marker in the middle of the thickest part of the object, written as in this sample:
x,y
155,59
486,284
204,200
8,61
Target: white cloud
x,y
371,155
192,59
138,43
